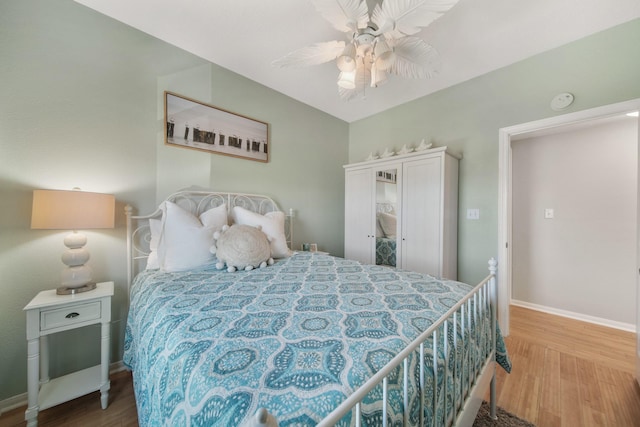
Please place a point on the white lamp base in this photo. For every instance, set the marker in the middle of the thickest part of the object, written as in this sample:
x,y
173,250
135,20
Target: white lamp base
x,y
76,278
68,290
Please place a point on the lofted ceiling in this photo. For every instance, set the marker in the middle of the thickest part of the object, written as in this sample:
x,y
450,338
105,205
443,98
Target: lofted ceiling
x,y
473,38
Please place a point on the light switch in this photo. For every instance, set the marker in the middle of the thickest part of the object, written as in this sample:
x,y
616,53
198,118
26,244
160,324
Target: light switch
x,y
473,213
548,213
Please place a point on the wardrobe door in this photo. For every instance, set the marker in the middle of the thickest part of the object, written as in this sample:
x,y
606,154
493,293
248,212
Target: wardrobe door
x,y
421,216
359,231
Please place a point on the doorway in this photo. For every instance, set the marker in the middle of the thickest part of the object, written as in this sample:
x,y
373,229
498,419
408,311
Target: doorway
x,y
505,170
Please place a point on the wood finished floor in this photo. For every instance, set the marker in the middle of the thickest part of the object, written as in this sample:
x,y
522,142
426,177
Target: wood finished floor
x,y
568,373
565,373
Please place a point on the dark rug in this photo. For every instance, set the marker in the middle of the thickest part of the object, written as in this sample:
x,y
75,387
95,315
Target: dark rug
x,y
505,419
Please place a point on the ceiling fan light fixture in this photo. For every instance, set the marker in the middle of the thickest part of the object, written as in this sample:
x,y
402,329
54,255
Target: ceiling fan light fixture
x,y
386,60
378,76
384,55
379,34
347,79
381,47
347,61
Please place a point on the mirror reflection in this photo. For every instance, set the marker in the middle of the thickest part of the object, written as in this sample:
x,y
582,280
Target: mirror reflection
x,y
386,220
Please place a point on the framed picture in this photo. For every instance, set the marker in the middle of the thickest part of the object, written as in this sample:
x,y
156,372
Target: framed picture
x,y
194,124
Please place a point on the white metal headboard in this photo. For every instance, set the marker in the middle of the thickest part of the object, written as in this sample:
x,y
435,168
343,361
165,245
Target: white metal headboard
x,y
385,208
196,202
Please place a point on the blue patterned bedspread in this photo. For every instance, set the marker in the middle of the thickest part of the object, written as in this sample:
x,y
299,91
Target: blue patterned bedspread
x,y
385,251
208,347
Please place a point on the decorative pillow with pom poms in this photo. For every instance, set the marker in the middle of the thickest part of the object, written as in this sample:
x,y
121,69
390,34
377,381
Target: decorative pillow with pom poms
x,y
241,247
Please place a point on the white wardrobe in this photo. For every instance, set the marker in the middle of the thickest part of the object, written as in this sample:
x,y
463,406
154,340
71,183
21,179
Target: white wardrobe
x,y
402,211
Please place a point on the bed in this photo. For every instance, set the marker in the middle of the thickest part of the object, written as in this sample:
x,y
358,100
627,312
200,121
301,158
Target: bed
x,y
310,340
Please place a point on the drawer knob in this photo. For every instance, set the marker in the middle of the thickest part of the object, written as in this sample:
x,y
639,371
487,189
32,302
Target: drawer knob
x,y
72,315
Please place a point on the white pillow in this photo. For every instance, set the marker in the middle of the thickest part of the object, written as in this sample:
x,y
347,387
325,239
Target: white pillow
x,y
388,223
272,224
155,226
184,239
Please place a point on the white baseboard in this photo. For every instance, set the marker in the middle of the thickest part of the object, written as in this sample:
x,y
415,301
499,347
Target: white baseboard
x,y
21,399
629,327
13,402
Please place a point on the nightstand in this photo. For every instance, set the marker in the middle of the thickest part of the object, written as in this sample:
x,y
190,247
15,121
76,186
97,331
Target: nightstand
x,y
49,313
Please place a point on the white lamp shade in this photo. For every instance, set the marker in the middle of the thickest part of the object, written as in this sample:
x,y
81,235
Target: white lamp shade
x,y
72,210
385,56
378,76
347,79
347,61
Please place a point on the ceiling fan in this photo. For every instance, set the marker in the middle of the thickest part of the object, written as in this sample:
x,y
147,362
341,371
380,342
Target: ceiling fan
x,y
378,42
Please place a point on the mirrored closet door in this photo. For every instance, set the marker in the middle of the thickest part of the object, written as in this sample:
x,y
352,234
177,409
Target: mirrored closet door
x,y
386,235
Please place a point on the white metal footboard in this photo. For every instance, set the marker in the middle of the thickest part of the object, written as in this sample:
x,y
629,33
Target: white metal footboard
x,y
470,377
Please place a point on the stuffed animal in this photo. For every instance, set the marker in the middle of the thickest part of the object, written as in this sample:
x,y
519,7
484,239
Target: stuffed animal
x,y
241,247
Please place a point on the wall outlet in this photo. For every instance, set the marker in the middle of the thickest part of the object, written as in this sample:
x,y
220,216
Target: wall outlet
x,y
548,213
473,213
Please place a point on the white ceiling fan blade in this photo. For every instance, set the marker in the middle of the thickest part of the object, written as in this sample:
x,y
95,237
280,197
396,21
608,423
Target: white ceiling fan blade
x,y
414,58
399,18
318,53
344,15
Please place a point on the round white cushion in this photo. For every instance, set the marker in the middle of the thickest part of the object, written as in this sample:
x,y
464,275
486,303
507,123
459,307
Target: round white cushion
x,y
242,247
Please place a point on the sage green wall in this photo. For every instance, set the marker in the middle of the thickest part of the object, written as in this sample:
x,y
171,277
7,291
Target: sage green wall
x,y
599,70
81,105
307,151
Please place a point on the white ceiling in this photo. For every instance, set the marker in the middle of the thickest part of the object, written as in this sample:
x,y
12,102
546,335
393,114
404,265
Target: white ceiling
x,y
473,38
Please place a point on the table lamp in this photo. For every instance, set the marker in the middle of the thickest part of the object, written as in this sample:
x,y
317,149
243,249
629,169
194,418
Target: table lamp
x,y
73,210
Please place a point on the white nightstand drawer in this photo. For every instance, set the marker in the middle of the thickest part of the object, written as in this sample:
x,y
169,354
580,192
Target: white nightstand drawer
x,y
69,315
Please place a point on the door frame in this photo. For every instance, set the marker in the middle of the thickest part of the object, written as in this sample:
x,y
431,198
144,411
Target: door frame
x,y
505,171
